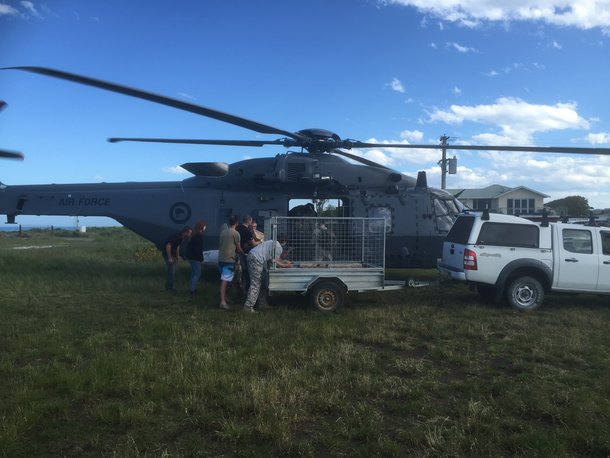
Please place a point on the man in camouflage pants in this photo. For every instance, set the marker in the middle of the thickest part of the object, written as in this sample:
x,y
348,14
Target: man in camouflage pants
x,y
257,262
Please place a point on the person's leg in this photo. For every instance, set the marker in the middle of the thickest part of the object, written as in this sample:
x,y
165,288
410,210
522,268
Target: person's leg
x,y
195,275
223,292
171,272
256,271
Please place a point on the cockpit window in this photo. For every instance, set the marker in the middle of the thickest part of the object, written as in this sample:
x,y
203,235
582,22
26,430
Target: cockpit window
x,y
445,212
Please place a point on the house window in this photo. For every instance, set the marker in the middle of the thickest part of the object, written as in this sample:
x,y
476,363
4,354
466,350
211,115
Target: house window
x,y
481,204
520,206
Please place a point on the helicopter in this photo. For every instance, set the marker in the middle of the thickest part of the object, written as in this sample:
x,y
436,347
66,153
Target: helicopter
x,y
316,167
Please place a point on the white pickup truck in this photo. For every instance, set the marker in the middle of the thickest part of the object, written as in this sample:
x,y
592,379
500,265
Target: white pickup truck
x,y
512,258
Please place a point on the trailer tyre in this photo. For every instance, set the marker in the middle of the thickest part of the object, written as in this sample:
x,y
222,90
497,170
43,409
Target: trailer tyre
x,y
525,294
327,296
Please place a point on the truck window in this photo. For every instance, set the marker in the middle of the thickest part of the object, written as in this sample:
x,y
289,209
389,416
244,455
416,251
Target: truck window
x,y
460,230
577,241
605,242
502,234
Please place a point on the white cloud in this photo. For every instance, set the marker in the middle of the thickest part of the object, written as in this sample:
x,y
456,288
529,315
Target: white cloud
x,y
396,85
412,135
599,138
8,10
459,48
512,121
29,6
457,90
187,96
582,14
552,174
516,119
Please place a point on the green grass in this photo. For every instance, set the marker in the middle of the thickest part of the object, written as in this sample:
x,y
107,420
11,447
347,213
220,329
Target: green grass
x,y
96,359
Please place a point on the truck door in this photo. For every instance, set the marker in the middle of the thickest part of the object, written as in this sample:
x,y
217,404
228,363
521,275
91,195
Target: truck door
x,y
578,263
603,281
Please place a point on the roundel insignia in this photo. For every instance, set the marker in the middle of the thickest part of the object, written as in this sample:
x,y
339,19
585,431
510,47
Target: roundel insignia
x,y
180,213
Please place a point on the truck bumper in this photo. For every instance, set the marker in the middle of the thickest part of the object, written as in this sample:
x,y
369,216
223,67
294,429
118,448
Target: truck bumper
x,y
451,273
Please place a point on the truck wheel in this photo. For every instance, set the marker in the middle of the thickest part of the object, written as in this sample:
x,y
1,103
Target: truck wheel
x,y
525,293
327,296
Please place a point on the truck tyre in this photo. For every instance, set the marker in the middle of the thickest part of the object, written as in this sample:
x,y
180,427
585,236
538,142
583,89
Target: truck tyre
x,y
327,295
525,293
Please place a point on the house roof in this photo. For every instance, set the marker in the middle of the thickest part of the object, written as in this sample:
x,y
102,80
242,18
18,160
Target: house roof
x,y
490,192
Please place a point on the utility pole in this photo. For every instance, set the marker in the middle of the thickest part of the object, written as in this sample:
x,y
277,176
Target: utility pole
x,y
444,139
443,162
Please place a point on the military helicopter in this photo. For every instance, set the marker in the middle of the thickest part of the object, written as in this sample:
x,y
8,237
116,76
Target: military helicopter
x,y
316,167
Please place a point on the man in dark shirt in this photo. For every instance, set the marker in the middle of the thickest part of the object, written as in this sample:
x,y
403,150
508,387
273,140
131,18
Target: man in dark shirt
x,y
171,254
194,254
248,242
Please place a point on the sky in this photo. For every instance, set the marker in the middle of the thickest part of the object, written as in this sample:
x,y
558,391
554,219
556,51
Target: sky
x,y
483,72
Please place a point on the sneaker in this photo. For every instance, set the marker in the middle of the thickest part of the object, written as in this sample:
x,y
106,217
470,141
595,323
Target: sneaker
x,y
225,307
249,310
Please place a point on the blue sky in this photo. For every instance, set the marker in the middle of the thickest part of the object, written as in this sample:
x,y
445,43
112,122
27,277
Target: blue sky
x,y
534,73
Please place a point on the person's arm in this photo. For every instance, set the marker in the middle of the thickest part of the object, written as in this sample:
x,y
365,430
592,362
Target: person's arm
x,y
168,252
238,245
285,263
239,250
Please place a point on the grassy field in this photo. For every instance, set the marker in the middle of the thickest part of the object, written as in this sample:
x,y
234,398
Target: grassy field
x,y
96,359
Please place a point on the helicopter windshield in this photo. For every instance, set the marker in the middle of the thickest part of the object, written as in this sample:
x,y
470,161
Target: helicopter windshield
x,y
445,212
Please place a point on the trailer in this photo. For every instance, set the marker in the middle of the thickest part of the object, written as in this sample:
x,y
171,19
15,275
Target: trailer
x,y
331,256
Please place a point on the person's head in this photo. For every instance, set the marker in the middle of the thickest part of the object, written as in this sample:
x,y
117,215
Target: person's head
x,y
247,220
283,239
233,220
253,224
186,232
200,226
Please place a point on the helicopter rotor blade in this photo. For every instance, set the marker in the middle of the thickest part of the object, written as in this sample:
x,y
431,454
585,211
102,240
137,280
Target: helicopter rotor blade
x,y
11,155
194,141
532,149
360,159
163,100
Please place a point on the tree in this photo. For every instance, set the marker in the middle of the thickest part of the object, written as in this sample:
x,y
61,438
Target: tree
x,y
576,206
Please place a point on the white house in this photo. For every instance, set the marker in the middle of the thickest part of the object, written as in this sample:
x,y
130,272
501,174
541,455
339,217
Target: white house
x,y
511,201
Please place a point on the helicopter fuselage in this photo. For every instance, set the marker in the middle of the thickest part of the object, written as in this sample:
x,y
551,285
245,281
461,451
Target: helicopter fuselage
x,y
417,217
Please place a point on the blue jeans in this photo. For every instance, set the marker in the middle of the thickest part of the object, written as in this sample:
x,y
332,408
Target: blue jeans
x,y
171,273
195,274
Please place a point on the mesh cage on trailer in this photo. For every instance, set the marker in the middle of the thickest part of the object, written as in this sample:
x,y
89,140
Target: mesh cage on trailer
x,y
332,241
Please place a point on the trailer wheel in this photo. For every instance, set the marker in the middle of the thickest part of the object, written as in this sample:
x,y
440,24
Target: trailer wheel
x,y
327,295
525,293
